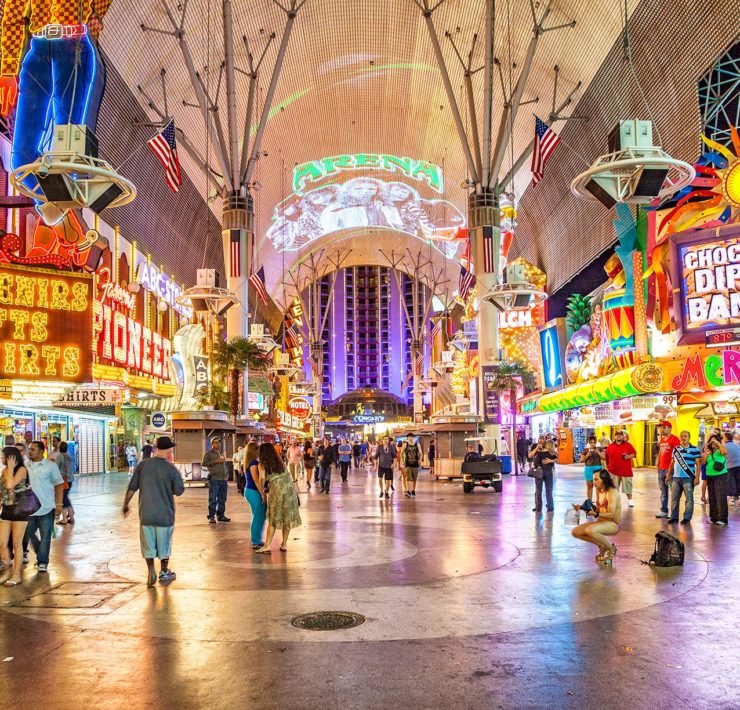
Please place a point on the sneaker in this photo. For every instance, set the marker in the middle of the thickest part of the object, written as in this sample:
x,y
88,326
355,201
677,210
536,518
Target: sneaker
x,y
672,520
408,494
44,568
211,520
413,494
326,491
388,495
151,579
25,558
224,519
685,522
381,494
662,515
631,504
721,523
166,577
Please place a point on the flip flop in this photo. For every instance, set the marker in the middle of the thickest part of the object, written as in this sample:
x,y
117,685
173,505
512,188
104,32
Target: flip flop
x,y
283,549
262,551
12,582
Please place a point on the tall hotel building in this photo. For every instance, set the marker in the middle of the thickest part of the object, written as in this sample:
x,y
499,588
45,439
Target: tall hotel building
x,y
366,336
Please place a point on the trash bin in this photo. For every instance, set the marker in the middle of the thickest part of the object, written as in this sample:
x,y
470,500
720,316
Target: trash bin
x,y
506,463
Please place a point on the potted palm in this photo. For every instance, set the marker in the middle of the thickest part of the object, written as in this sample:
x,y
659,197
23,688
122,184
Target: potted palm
x,y
509,375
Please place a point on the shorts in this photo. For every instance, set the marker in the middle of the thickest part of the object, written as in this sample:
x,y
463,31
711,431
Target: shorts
x,y
588,472
155,541
625,482
132,462
8,514
386,473
411,473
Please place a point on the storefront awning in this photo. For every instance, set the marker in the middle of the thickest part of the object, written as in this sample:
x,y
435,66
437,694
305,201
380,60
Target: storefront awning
x,y
201,424
641,379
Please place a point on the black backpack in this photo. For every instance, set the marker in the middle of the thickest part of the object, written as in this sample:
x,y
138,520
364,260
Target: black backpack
x,y
669,551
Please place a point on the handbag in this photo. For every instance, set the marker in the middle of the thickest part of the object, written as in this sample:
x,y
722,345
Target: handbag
x,y
26,503
536,472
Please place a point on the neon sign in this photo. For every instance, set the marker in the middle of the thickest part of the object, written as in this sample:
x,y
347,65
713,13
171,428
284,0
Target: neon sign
x,y
44,315
317,170
368,418
715,371
123,341
159,283
110,291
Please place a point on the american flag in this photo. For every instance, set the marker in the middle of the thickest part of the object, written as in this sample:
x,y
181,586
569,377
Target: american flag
x,y
545,142
164,146
257,279
407,381
466,284
489,262
435,329
314,365
235,253
419,363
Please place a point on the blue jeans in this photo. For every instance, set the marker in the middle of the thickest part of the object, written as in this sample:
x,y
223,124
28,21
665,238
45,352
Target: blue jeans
x,y
217,492
325,477
547,481
685,486
49,93
44,524
662,473
258,514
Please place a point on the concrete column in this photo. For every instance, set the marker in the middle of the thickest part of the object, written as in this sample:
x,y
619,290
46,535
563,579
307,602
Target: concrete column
x,y
238,215
483,212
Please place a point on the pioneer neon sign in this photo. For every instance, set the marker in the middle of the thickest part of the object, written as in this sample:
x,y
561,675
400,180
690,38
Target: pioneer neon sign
x,y
317,170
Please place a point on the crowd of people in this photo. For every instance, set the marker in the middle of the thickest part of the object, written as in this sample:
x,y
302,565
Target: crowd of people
x,y
608,471
35,486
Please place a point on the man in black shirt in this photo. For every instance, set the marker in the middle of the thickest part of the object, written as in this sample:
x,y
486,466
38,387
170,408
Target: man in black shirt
x,y
327,456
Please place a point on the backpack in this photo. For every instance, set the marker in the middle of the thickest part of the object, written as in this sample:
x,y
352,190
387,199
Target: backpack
x,y
669,551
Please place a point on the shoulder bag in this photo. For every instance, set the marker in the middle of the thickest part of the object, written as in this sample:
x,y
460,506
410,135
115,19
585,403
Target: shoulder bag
x,y
26,503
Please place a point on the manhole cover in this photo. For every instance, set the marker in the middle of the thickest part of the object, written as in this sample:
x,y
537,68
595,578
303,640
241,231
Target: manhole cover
x,y
328,620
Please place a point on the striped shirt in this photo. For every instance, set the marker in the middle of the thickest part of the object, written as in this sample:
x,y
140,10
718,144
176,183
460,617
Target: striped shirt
x,y
684,458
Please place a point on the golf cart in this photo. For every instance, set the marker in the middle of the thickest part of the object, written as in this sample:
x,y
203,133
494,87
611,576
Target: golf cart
x,y
483,470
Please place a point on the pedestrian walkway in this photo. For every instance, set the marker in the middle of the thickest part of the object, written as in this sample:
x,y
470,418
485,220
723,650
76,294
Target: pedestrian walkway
x,y
470,601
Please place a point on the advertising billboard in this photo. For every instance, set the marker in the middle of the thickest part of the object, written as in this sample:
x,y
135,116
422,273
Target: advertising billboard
x,y
45,324
552,350
706,270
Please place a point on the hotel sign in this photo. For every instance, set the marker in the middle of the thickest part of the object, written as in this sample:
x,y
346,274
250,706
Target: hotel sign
x,y
45,324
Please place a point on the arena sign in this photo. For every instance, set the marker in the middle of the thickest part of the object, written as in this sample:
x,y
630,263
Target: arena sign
x,y
407,202
706,269
317,170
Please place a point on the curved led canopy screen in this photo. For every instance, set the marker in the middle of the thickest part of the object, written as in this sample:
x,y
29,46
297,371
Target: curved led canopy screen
x,y
350,192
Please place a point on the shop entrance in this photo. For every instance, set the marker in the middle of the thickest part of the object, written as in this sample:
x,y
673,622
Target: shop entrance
x,y
650,451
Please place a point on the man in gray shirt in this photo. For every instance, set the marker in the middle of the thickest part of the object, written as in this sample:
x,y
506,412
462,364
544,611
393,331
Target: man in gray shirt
x,y
157,481
218,487
733,464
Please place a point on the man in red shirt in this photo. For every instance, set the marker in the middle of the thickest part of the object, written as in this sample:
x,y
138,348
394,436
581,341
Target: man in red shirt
x,y
666,444
618,461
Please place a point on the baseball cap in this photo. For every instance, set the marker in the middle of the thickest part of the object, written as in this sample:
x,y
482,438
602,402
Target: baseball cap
x,y
668,424
164,443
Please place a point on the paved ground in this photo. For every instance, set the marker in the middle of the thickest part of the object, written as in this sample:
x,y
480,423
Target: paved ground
x,y
471,601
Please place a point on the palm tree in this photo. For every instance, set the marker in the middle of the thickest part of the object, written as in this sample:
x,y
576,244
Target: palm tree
x,y
231,358
509,375
214,394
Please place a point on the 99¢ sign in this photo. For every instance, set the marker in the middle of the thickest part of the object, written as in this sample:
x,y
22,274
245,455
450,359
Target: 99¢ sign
x,y
45,325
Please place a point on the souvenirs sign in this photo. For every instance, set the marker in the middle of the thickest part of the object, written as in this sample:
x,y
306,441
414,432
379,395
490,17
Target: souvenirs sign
x,y
45,324
706,269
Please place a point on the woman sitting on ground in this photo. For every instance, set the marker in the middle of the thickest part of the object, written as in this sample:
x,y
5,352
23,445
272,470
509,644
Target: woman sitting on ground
x,y
282,499
604,520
